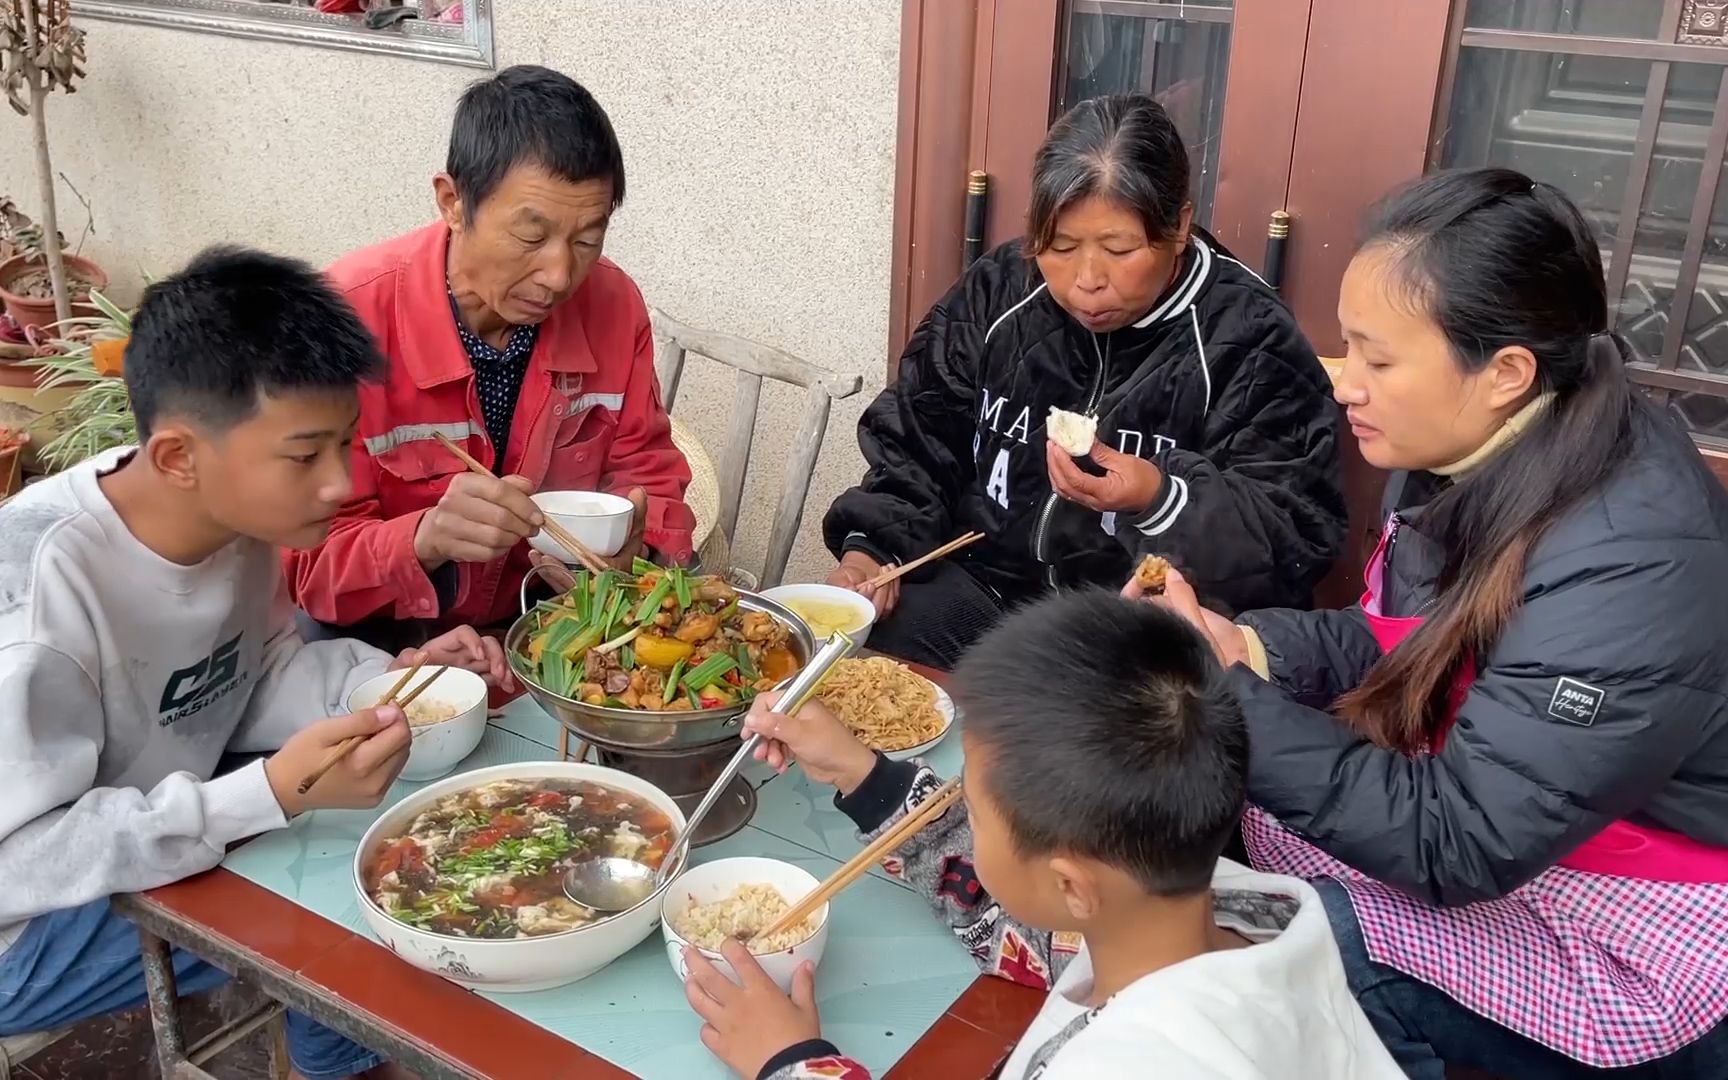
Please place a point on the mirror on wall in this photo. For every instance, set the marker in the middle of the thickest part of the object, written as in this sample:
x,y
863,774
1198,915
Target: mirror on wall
x,y
450,31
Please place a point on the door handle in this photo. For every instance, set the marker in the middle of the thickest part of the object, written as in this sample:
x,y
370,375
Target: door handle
x,y
1277,240
977,196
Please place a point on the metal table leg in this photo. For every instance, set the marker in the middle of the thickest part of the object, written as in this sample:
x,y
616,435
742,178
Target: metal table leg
x,y
165,1011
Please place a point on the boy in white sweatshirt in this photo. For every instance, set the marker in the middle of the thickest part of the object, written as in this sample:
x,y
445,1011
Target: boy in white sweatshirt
x,y
145,632
1105,772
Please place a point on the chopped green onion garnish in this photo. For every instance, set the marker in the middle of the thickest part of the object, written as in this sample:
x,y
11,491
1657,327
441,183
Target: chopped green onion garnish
x,y
619,642
651,603
681,584
671,690
561,634
557,672
709,670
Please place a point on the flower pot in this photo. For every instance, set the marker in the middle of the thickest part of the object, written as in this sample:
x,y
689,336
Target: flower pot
x,y
12,444
22,277
24,405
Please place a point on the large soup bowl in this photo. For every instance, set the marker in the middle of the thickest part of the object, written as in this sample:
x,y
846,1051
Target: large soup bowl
x,y
504,965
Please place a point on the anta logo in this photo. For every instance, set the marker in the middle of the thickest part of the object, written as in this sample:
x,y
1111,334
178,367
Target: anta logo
x,y
193,689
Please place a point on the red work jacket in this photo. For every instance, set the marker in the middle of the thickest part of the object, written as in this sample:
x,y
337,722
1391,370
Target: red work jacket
x,y
589,418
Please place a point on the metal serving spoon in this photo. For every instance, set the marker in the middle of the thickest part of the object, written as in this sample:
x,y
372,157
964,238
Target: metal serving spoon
x,y
612,883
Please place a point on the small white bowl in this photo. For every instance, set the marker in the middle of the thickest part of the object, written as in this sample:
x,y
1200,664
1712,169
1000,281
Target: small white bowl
x,y
597,519
437,748
945,706
709,882
863,611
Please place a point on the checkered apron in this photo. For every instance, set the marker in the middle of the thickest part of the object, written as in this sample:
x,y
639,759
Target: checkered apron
x,y
1608,969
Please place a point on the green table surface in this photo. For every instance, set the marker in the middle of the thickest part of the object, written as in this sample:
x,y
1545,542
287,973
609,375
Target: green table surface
x,y
889,971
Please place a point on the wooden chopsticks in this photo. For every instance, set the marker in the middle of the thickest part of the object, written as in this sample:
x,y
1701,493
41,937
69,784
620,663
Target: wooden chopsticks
x,y
949,548
584,554
346,746
858,865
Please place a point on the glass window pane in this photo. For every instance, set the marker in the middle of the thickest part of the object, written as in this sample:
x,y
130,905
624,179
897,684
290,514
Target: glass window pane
x,y
1574,121
1182,62
1659,238
1703,414
1544,115
1591,18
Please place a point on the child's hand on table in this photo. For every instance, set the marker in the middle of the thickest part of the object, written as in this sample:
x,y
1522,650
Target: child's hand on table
x,y
826,748
465,648
358,781
745,1025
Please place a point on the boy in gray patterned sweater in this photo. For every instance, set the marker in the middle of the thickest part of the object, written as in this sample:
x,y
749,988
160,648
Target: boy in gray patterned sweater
x,y
1105,772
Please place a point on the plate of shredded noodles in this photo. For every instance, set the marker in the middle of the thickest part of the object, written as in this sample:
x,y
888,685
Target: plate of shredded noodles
x,y
888,706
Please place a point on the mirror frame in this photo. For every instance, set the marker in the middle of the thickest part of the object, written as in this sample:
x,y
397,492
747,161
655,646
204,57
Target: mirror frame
x,y
468,45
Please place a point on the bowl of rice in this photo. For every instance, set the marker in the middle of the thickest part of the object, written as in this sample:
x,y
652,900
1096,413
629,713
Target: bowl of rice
x,y
736,898
447,720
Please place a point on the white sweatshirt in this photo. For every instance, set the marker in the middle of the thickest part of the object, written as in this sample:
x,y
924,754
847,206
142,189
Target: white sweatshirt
x,y
1277,1010
124,678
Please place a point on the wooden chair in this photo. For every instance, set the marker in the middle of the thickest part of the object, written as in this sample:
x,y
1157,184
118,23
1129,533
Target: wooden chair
x,y
753,363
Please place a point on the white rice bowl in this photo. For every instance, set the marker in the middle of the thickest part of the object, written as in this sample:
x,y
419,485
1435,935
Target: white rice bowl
x,y
711,883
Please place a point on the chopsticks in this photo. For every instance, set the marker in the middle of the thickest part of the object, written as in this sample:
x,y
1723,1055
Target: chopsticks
x,y
583,553
858,865
347,745
949,548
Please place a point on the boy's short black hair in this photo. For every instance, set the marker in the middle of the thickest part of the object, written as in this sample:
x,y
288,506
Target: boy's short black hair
x,y
530,115
237,325
1108,732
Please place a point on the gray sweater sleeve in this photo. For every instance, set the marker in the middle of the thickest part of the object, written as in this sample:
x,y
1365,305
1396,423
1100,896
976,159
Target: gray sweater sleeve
x,y
64,842
301,681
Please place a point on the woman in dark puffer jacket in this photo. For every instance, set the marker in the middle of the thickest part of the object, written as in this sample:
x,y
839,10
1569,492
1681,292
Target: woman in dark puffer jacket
x,y
1217,434
1518,799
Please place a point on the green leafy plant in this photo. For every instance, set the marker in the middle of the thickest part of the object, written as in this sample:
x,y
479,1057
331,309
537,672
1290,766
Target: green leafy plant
x,y
99,416
40,52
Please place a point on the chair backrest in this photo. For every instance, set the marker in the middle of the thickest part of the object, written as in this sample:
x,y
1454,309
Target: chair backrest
x,y
754,362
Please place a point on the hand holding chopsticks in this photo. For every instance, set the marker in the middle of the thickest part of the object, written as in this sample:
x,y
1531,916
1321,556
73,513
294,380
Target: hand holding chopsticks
x,y
859,865
584,554
893,573
347,746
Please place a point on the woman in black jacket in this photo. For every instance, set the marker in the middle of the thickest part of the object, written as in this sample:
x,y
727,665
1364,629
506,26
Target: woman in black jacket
x,y
1218,439
1510,760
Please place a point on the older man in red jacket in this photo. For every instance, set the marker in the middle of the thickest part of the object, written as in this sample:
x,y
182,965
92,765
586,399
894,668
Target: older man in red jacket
x,y
508,332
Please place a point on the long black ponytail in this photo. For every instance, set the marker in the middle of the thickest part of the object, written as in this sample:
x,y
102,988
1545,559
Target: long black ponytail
x,y
1497,260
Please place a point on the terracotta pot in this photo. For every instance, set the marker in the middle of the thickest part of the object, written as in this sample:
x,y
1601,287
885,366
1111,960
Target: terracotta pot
x,y
12,462
30,311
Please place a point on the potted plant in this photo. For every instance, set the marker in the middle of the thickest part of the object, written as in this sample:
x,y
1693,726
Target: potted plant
x,y
12,443
40,52
27,286
87,361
